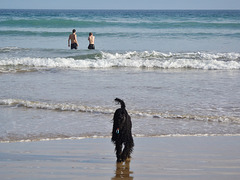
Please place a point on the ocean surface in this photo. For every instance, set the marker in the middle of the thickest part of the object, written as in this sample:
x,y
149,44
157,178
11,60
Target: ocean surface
x,y
177,71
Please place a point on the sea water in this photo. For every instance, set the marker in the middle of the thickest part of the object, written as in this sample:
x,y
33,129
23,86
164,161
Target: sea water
x,y
177,71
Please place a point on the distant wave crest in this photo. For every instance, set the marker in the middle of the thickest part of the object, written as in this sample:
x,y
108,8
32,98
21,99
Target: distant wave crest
x,y
104,110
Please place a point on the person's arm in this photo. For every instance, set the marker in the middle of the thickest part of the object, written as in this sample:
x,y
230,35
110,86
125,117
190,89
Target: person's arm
x,y
76,39
69,41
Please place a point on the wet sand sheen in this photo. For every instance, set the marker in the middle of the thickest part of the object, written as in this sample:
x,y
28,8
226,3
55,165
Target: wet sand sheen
x,y
153,158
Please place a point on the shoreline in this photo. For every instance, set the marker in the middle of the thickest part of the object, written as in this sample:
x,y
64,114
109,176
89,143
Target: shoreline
x,y
188,157
109,137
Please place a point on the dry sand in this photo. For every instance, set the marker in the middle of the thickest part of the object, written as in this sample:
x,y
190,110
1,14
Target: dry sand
x,y
162,158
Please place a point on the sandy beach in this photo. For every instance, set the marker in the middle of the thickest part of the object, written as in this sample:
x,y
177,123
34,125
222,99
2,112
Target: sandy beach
x,y
165,158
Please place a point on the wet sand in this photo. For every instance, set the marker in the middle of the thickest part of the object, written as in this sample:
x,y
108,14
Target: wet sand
x,y
162,158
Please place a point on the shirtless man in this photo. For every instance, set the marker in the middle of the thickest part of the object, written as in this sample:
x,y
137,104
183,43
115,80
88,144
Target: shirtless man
x,y
73,39
91,41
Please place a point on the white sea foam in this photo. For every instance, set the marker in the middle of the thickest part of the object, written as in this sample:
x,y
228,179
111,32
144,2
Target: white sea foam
x,y
186,135
198,60
104,110
33,139
54,106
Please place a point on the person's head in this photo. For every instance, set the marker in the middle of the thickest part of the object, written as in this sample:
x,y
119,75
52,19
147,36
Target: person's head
x,y
90,34
74,30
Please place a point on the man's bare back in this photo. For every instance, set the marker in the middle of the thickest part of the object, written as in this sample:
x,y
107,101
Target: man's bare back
x,y
73,39
91,41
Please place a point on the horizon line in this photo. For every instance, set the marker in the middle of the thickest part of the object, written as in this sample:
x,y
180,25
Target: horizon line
x,y
119,9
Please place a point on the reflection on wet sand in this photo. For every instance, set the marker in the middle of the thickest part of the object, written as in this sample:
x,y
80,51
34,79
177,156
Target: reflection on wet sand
x,y
123,171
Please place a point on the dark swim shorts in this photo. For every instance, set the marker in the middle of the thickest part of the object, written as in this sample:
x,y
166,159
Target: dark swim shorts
x,y
91,46
74,46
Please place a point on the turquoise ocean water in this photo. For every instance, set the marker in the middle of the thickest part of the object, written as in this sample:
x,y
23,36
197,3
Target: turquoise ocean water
x,y
178,72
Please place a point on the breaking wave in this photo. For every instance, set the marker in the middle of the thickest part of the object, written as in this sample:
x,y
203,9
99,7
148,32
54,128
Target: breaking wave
x,y
133,59
103,110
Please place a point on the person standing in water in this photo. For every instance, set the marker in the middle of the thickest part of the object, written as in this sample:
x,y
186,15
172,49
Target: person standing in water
x,y
73,39
91,41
